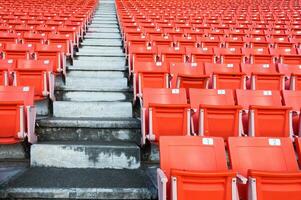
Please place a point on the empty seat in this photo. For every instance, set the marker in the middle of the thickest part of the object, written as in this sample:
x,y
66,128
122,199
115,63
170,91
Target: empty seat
x,y
201,55
141,54
149,75
33,38
36,74
264,114
267,168
229,55
64,40
172,54
188,75
292,74
53,53
287,55
194,168
234,42
215,113
293,99
161,107
6,69
18,51
161,41
259,55
298,149
225,76
18,112
263,77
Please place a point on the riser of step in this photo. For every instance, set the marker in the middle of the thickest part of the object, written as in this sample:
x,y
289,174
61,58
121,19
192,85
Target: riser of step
x,y
103,33
95,74
88,134
92,109
42,107
102,42
100,63
92,96
86,155
100,51
12,152
87,83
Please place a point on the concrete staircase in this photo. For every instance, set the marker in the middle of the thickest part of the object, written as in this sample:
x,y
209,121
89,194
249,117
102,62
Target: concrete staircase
x,y
89,147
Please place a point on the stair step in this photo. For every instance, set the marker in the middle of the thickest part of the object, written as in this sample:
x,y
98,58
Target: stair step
x,y
100,51
92,109
93,96
103,33
86,82
102,42
100,155
95,74
12,151
89,129
55,183
99,63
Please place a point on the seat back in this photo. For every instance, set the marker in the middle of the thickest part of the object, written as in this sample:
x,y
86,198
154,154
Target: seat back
x,y
292,99
266,155
190,163
188,75
165,106
225,76
215,113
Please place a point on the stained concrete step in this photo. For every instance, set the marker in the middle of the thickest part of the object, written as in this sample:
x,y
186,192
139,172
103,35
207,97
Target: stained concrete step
x,y
102,42
100,155
10,169
87,96
87,82
92,109
95,74
89,129
55,183
12,152
102,35
99,63
100,51
102,30
115,25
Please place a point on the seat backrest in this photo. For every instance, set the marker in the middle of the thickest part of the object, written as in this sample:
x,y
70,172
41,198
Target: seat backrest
x,y
211,68
247,98
164,96
44,65
292,99
289,69
12,93
210,97
248,69
262,153
192,153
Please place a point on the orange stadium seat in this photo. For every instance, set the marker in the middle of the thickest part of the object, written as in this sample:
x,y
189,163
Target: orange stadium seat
x,y
267,168
194,168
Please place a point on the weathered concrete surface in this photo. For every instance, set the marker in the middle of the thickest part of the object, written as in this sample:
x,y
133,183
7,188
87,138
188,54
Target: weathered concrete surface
x,y
113,155
92,109
42,107
12,151
54,183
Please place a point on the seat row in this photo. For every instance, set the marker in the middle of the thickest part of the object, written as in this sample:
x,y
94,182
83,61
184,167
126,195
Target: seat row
x,y
220,113
38,74
249,168
215,76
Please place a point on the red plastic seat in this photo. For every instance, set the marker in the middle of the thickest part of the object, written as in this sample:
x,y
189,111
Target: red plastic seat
x,y
287,55
215,113
263,77
189,41
6,69
54,54
161,41
209,41
264,114
18,51
201,55
149,75
172,54
34,38
293,99
18,112
267,167
292,75
229,55
8,37
225,76
64,40
141,54
257,42
194,168
188,75
136,41
298,149
161,107
233,42
36,74
259,55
